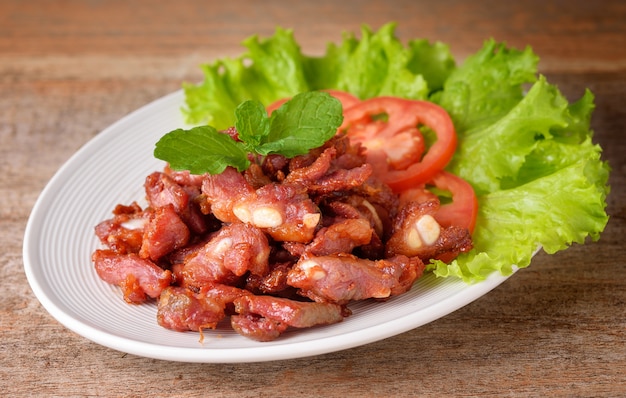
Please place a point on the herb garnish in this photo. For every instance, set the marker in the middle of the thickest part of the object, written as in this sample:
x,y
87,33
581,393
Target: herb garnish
x,y
304,122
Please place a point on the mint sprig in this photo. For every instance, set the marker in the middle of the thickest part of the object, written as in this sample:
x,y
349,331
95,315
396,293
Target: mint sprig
x,y
304,122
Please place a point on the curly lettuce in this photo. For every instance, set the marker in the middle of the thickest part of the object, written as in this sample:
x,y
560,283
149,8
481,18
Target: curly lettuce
x,y
526,150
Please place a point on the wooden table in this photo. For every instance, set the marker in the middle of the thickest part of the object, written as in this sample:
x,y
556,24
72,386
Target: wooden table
x,y
70,68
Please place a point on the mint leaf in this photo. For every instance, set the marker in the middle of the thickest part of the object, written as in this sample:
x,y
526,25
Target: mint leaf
x,y
201,150
252,122
306,121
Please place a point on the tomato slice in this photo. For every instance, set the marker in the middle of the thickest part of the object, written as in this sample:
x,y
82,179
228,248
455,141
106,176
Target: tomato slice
x,y
463,209
346,99
394,142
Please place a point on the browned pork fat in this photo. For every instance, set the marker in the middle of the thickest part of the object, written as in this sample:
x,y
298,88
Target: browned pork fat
x,y
323,177
345,155
139,278
264,318
341,278
317,169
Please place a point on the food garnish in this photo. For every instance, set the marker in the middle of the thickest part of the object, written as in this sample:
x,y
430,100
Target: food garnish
x,y
305,122
312,182
525,149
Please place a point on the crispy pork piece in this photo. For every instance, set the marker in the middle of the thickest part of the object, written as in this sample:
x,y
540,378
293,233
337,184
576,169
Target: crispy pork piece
x,y
185,178
256,327
138,277
379,195
306,174
349,155
330,169
341,237
418,234
358,207
255,176
264,318
162,190
340,180
284,211
274,283
275,167
223,191
346,154
341,278
123,233
235,249
164,233
181,309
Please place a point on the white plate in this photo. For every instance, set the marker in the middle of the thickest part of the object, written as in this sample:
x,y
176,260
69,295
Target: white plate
x,y
111,169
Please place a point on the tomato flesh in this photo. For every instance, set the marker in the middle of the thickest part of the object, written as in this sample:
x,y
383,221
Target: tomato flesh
x,y
463,209
401,138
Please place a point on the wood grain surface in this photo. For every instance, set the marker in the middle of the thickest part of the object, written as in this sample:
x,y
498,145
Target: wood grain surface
x,y
68,69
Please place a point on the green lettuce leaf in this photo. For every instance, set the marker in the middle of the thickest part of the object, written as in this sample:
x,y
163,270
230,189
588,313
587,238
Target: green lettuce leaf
x,y
487,86
275,68
527,151
498,150
550,212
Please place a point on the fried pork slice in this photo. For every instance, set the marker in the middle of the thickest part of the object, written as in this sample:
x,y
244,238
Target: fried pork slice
x,y
379,195
231,252
256,327
181,309
417,233
185,178
274,283
335,167
222,191
341,278
139,278
316,170
264,318
123,233
346,155
358,208
284,211
275,167
341,180
341,237
164,233
323,177
162,190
